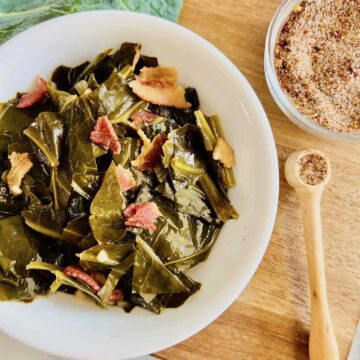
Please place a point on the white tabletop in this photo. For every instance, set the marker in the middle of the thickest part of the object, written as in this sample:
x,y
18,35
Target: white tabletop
x,y
15,350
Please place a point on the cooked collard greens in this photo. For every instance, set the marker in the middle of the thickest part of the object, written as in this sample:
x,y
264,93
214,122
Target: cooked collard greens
x,y
113,184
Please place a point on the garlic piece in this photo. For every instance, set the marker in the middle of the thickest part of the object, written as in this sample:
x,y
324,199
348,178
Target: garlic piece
x,y
224,153
20,165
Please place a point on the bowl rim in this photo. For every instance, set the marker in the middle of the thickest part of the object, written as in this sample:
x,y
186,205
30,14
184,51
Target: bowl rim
x,y
273,175
281,99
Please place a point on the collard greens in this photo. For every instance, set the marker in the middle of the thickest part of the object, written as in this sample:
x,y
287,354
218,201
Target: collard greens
x,y
90,219
16,16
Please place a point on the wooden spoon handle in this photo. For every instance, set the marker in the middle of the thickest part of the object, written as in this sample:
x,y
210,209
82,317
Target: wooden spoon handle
x,y
322,344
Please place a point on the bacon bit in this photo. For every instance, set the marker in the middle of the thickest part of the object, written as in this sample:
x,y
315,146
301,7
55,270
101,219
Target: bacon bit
x,y
150,153
142,215
20,165
158,86
77,272
94,280
125,177
158,76
35,95
143,116
116,296
224,153
98,277
104,135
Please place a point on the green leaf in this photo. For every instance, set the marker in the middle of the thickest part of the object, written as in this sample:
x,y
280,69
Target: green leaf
x,y
184,153
75,231
77,208
7,265
13,122
30,189
16,290
191,200
160,125
46,133
109,200
61,278
64,78
105,256
86,184
204,237
18,16
61,99
180,238
106,209
114,276
225,175
206,132
80,117
183,168
107,230
150,275
7,281
60,188
115,97
126,56
43,221
91,67
87,242
129,150
16,243
218,200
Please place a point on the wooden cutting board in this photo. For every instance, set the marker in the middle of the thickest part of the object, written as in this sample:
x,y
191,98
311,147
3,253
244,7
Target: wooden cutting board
x,y
271,318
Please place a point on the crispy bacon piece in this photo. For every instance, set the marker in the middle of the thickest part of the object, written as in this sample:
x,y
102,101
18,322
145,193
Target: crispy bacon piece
x,y
143,116
158,85
104,135
77,272
98,277
150,153
35,95
94,280
20,165
158,76
142,215
125,177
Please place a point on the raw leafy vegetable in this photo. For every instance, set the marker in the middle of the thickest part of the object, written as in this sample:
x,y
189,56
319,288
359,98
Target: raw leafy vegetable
x,y
19,15
120,224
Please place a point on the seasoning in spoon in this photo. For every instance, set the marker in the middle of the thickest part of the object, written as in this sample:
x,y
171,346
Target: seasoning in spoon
x,y
312,169
317,61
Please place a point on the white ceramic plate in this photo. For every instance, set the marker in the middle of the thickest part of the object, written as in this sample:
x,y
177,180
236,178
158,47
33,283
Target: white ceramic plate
x,y
64,325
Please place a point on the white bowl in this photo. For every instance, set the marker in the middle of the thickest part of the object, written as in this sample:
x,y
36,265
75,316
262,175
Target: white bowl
x,y
66,326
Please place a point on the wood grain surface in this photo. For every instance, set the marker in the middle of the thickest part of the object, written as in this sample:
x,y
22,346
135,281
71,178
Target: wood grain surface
x,y
271,318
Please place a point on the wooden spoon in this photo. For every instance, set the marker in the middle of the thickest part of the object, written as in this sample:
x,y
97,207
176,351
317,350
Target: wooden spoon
x,y
322,344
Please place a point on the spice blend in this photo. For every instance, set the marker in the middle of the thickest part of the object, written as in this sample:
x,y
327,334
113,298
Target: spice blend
x,y
317,60
312,169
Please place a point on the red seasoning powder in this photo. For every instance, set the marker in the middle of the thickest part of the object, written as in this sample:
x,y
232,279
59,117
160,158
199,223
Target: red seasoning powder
x,y
317,60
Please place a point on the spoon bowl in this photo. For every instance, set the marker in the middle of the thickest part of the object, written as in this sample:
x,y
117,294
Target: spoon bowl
x,y
292,170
